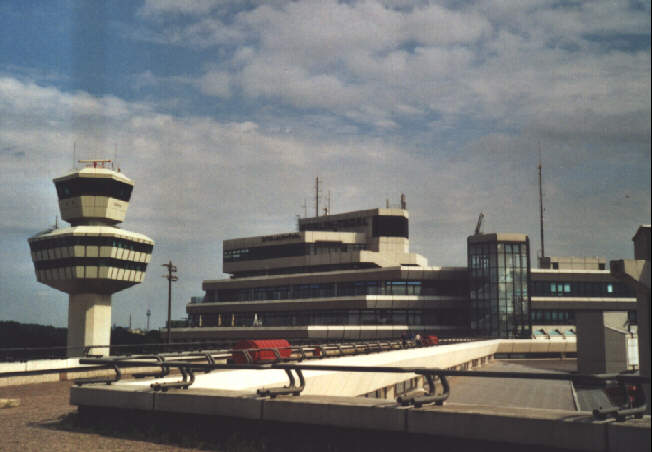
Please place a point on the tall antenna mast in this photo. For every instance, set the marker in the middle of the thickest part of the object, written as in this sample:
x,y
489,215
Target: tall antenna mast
x,y
317,196
329,203
543,248
74,155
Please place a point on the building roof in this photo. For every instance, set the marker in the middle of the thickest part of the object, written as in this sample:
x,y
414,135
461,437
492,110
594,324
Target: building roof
x,y
498,237
93,231
95,173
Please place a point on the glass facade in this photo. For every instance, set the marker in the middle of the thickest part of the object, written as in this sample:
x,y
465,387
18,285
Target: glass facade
x,y
289,250
340,289
498,287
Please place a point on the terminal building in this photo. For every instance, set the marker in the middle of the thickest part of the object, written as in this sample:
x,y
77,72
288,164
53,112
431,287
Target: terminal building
x,y
352,276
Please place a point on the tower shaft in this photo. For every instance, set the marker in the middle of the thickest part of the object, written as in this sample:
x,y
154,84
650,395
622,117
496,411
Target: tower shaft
x,y
89,324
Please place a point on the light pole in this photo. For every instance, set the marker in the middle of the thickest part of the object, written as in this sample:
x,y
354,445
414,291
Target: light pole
x,y
170,277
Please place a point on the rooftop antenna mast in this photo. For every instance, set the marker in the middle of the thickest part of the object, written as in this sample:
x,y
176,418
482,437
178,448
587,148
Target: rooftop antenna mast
x,y
317,196
329,203
543,249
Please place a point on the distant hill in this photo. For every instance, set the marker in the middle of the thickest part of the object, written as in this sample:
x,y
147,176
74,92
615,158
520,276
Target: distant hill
x,y
29,335
14,334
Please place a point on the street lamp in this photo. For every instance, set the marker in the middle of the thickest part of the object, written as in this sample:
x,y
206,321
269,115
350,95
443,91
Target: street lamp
x,y
170,277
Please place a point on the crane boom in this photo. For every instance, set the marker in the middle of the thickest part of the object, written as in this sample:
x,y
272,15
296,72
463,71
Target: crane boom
x,y
478,226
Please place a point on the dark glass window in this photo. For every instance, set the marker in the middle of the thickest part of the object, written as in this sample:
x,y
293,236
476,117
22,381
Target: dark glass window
x,y
390,226
552,317
90,261
89,186
58,242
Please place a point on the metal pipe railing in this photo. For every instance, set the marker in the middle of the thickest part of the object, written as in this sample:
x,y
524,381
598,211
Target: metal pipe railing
x,y
21,354
429,373
186,363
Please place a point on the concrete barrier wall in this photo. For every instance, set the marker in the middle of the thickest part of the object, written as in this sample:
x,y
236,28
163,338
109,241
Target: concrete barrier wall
x,y
348,384
56,370
555,429
525,346
354,383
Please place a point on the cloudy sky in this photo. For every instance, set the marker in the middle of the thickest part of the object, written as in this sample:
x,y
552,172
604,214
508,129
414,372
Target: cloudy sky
x,y
223,113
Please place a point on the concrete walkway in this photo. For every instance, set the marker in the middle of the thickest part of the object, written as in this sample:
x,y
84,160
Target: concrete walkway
x,y
514,392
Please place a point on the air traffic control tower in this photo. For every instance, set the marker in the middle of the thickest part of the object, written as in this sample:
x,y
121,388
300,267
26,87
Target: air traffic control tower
x,y
93,258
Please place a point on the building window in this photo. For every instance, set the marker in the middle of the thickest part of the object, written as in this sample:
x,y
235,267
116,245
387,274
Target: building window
x,y
552,317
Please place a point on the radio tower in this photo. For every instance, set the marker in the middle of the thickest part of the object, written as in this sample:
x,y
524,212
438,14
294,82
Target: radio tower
x,y
543,248
91,259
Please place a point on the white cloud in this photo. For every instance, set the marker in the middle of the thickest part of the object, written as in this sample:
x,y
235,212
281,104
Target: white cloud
x,y
216,83
380,63
186,7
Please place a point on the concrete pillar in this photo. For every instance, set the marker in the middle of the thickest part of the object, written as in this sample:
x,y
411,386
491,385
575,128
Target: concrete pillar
x,y
601,342
590,342
89,323
636,273
643,320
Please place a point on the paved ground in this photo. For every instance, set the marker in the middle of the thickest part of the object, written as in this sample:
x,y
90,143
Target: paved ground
x,y
547,394
45,421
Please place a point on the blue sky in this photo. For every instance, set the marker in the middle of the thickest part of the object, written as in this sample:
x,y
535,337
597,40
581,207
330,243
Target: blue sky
x,y
223,113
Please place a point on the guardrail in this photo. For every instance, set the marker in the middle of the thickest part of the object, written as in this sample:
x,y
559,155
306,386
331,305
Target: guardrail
x,y
297,354
431,375
22,354
188,363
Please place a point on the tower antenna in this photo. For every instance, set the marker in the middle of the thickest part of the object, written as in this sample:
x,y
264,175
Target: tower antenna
x,y
543,249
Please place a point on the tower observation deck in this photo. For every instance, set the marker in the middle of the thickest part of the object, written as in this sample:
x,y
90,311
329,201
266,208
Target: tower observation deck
x,y
93,258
